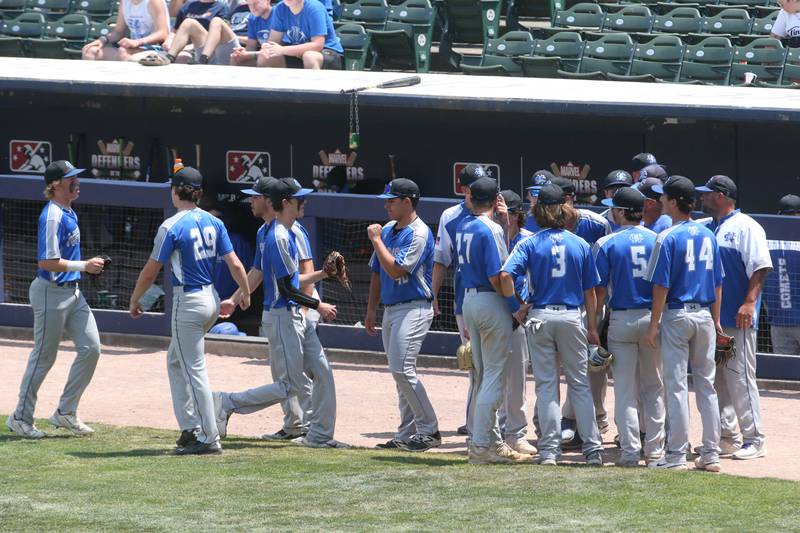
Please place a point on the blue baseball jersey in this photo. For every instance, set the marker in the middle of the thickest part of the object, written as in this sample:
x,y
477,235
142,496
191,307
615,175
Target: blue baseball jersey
x,y
223,280
660,224
621,260
444,249
59,238
481,250
743,250
412,248
591,226
280,259
520,283
191,241
559,266
782,290
686,261
531,225
312,21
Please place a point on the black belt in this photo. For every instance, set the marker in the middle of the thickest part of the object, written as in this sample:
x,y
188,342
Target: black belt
x,y
428,300
567,307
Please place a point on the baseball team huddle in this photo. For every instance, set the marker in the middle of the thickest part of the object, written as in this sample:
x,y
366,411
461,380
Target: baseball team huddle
x,y
641,291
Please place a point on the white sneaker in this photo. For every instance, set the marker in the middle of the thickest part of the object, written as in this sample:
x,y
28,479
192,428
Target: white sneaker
x,y
708,466
23,429
221,415
729,447
750,451
70,422
523,446
664,465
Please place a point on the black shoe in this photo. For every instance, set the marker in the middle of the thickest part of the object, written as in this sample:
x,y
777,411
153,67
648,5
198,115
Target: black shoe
x,y
187,437
199,448
282,435
462,430
421,443
617,441
574,444
390,445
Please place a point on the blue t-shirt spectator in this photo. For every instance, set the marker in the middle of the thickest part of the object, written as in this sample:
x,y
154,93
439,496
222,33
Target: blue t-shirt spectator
x,y
312,21
201,11
258,28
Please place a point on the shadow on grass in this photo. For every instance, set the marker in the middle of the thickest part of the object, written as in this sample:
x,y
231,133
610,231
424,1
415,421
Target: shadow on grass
x,y
428,460
13,437
145,452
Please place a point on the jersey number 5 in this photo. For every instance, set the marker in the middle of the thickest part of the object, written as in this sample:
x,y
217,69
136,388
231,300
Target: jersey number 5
x,y
706,254
638,261
205,245
466,239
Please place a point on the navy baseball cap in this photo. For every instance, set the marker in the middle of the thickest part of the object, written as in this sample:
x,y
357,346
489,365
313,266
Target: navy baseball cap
x,y
551,194
617,178
513,201
653,171
539,178
187,177
400,188
60,169
261,187
470,173
642,160
484,189
676,187
719,183
789,204
286,188
565,184
646,187
625,198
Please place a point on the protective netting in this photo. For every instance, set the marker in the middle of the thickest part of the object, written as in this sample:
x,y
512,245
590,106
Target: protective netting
x,y
779,324
124,234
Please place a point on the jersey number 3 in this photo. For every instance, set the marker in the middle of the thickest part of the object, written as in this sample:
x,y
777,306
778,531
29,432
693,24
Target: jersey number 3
x,y
706,254
205,245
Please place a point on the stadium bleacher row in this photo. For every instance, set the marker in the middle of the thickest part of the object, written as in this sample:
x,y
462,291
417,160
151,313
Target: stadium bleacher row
x,y
701,42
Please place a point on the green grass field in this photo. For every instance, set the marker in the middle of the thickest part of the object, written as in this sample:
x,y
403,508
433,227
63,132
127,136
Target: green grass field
x,y
126,479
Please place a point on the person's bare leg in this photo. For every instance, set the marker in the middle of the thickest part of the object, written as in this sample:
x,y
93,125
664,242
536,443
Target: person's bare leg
x,y
274,62
189,30
103,53
313,60
218,32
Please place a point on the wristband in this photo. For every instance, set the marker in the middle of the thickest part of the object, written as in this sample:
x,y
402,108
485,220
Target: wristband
x,y
76,266
512,303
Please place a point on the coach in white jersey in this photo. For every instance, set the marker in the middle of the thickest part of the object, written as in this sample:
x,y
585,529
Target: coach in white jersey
x,y
191,240
622,263
58,304
747,263
401,268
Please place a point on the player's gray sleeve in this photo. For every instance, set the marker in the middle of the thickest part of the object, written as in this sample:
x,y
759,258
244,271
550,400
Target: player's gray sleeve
x,y
51,240
415,249
500,242
303,251
158,243
443,250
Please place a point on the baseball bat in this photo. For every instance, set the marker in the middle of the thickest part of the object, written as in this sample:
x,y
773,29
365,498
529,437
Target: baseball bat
x,y
391,84
197,155
392,171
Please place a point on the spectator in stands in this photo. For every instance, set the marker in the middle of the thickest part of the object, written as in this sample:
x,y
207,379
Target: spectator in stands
x,y
782,289
258,30
302,36
148,24
787,24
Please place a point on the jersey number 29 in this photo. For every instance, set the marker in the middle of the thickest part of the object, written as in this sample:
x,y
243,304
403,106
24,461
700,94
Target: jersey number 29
x,y
205,245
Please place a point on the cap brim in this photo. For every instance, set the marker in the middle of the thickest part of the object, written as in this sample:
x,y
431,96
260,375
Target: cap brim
x,y
74,172
302,192
387,196
608,202
658,189
702,188
536,188
251,192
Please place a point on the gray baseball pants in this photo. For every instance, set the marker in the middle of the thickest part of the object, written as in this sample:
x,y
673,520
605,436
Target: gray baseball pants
x,y
688,337
513,414
54,310
193,314
404,328
637,380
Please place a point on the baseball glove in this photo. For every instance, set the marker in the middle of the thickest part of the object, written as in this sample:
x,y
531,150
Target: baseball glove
x,y
726,349
335,267
464,356
599,359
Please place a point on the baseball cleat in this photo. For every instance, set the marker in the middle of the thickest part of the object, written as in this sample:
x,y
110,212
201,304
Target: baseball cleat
x,y
497,454
575,443
567,430
326,444
462,430
23,429
199,448
282,435
221,415
603,426
594,459
708,466
421,443
750,451
70,422
187,437
547,461
627,462
726,448
393,444
522,446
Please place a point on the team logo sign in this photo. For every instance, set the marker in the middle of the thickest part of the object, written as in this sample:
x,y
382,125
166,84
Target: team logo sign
x,y
585,187
29,156
247,167
492,171
337,172
116,160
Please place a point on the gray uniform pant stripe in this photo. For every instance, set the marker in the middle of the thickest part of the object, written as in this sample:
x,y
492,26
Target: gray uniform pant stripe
x,y
54,310
689,337
513,415
738,392
404,328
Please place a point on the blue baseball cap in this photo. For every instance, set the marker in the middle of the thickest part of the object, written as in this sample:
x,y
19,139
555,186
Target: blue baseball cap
x,y
539,178
400,188
227,328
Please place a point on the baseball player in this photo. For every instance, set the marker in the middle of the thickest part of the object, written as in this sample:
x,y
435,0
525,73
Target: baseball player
x,y
746,262
513,414
539,178
481,249
444,257
190,241
296,407
562,275
639,162
622,263
401,279
615,180
686,273
652,216
782,291
57,305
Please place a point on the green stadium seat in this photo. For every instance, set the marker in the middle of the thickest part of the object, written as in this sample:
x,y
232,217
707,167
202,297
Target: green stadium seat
x,y
762,27
610,54
45,48
12,8
667,6
355,41
560,53
96,9
708,62
25,25
369,13
501,57
584,16
629,19
11,47
467,22
74,29
764,11
405,43
96,29
791,69
656,60
764,57
680,20
731,21
529,9
53,9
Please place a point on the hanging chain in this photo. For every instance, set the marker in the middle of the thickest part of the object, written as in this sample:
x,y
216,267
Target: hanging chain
x,y
353,139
